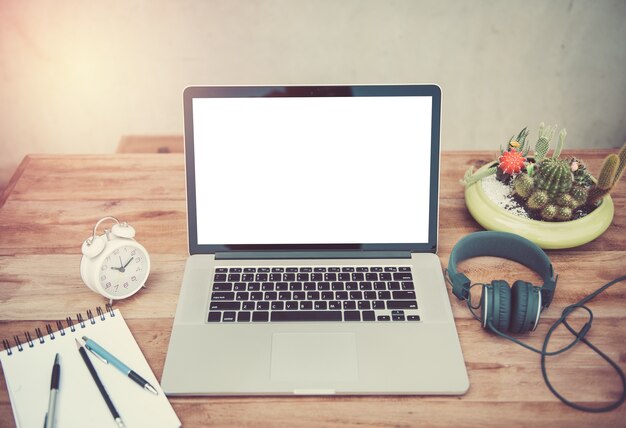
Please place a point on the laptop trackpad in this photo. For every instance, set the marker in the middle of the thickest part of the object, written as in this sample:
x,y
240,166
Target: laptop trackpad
x,y
314,357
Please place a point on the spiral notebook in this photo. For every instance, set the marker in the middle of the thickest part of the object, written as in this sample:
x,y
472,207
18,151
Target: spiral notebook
x,y
28,366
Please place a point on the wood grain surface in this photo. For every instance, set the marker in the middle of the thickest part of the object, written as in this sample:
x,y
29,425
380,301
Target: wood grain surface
x,y
52,203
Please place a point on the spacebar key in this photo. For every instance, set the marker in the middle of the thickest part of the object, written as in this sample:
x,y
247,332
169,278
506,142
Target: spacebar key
x,y
306,315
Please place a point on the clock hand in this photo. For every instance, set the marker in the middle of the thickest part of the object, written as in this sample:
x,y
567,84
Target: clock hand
x,y
131,259
115,268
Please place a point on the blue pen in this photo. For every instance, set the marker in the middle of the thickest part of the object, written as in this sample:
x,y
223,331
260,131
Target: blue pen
x,y
106,357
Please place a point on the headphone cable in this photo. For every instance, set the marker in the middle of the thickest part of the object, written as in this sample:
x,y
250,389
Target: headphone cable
x,y
579,337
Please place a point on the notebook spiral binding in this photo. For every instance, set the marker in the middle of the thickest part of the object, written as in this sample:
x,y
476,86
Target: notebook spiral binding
x,y
29,340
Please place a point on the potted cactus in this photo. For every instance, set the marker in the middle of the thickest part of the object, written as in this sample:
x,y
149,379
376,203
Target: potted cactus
x,y
551,200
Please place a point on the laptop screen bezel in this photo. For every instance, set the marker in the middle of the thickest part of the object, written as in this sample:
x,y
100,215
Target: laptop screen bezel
x,y
425,90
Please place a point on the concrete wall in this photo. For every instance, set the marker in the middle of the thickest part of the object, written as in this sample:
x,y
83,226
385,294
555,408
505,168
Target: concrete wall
x,y
76,75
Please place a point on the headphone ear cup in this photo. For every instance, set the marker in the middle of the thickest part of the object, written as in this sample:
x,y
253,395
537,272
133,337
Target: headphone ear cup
x,y
497,307
525,304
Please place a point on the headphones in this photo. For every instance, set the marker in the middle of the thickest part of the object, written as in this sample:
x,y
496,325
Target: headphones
x,y
504,309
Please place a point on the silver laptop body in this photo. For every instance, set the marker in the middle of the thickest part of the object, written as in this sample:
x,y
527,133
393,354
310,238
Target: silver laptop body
x,y
312,220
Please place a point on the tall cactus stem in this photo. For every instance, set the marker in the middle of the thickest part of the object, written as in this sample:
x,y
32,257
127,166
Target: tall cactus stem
x,y
559,145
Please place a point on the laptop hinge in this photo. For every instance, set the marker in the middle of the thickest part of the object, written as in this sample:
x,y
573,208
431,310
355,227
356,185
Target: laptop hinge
x,y
271,255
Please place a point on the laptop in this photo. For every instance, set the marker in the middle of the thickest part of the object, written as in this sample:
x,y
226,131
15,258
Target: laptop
x,y
312,222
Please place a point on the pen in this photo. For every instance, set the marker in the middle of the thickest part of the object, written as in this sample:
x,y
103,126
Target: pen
x,y
106,357
54,389
94,375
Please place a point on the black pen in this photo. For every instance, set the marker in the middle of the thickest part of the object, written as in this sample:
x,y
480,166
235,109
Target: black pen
x,y
94,375
54,389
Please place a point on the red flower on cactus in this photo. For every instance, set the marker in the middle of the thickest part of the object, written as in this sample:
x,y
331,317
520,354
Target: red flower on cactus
x,y
511,162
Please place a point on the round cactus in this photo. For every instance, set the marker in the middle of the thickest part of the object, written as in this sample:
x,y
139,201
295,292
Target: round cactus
x,y
554,176
579,193
523,185
565,200
563,213
538,200
511,162
549,212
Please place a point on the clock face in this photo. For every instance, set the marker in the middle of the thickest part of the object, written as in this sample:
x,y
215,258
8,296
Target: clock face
x,y
123,271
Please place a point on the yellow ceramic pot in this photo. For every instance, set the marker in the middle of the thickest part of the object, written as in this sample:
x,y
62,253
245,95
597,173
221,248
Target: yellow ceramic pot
x,y
548,235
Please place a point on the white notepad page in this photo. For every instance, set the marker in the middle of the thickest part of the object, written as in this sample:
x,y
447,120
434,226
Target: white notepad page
x,y
79,403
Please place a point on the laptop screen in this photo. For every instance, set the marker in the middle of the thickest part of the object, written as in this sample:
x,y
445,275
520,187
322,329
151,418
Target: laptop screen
x,y
340,167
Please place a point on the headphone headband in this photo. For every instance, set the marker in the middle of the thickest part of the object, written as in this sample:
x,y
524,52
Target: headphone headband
x,y
501,244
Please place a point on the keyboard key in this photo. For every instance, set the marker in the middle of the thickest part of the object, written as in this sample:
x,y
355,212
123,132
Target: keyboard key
x,y
401,304
284,295
334,305
378,304
320,305
352,315
319,269
302,277
234,270
310,286
264,269
248,306
384,276
366,285
337,286
219,277
313,295
376,269
295,286
352,285
225,306
349,305
369,316
276,277
331,276
306,316
402,276
408,285
317,277
278,305
262,306
260,277
306,305
221,270
247,277
270,295
289,276
215,316
364,304
380,285
229,316
323,286
299,295
249,270
403,295
278,269
291,306
282,286
222,286
371,276
243,316
357,276
369,295
256,295
306,269
347,269
328,295
384,295
292,269
233,277
267,286
413,318
356,295
343,276
242,296
404,269
397,317
254,286
260,316
240,286
393,285
362,269
333,269
223,295
384,318
391,269
341,295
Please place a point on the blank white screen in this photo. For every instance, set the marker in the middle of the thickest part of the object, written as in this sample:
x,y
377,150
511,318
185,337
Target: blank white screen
x,y
312,170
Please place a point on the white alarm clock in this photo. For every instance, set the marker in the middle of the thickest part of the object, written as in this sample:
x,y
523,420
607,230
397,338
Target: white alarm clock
x,y
114,264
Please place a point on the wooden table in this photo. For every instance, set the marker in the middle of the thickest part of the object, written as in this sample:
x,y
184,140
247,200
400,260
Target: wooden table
x,y
53,202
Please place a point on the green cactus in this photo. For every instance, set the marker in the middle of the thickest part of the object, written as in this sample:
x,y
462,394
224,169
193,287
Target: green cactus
x,y
549,212
559,145
563,213
538,200
543,143
470,177
579,194
523,185
606,179
554,176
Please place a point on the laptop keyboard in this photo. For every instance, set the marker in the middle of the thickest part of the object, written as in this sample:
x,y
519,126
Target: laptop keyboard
x,y
299,294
